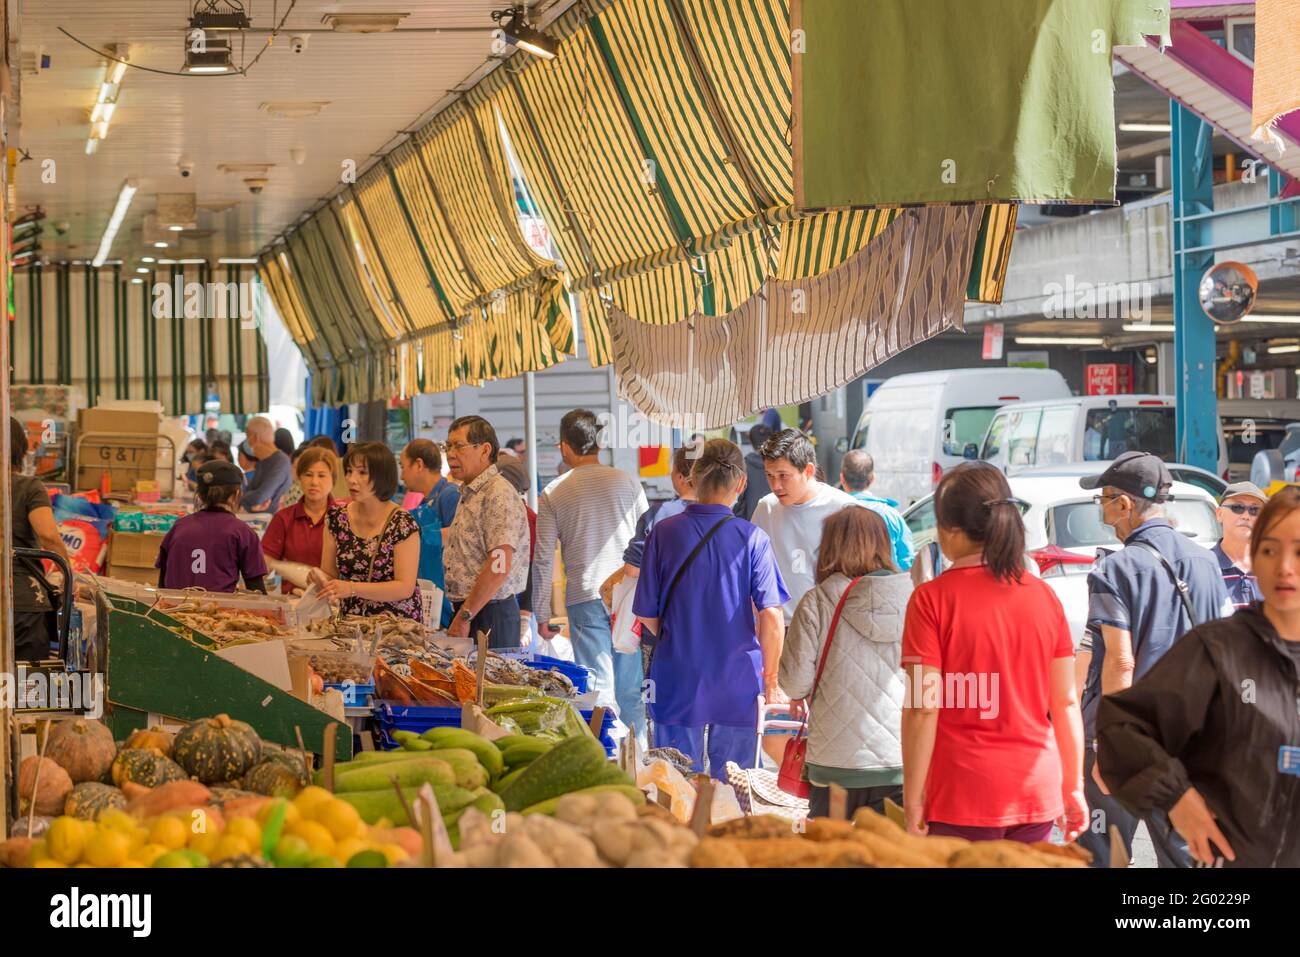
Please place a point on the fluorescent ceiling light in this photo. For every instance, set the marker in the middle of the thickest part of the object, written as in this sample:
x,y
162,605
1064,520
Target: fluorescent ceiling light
x,y
237,262
143,269
1145,128
159,245
363,22
147,259
92,145
99,130
177,229
213,59
103,111
115,222
1149,327
1279,319
1058,341
137,281
116,70
1280,350
181,262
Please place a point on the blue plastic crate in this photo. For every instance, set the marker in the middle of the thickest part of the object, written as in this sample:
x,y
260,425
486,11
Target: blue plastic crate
x,y
361,694
580,676
391,716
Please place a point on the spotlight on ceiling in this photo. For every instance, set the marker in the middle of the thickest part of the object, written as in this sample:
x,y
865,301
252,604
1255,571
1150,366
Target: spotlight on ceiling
x,y
515,30
219,16
207,54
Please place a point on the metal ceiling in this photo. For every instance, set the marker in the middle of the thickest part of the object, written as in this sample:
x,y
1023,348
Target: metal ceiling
x,y
376,85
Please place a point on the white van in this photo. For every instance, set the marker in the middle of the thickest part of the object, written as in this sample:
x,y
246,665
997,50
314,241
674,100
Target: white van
x,y
1093,428
918,425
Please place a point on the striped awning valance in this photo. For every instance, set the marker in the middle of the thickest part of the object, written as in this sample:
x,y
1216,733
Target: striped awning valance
x,y
656,146
165,339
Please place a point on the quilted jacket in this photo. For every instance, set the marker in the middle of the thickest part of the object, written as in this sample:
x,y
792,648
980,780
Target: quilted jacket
x,y
856,716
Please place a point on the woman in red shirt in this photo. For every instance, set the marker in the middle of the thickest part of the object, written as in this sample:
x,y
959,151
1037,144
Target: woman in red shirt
x,y
992,736
297,534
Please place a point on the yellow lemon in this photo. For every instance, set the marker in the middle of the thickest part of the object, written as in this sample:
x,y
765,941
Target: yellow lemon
x,y
292,812
317,836
310,799
341,818
394,852
66,840
40,851
131,862
107,848
230,846
204,842
246,828
115,819
145,856
170,832
48,862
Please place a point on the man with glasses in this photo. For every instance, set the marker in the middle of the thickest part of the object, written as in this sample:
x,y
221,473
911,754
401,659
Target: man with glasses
x,y
1141,599
1239,506
486,553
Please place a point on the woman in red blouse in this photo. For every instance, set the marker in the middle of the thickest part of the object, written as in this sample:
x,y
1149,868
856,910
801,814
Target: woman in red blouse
x,y
297,533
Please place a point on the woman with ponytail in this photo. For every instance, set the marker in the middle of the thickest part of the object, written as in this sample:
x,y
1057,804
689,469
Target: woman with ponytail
x,y
992,736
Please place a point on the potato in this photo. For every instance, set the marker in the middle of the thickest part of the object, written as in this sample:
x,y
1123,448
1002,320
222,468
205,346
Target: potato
x,y
612,805
717,852
577,809
613,839
576,851
653,857
520,850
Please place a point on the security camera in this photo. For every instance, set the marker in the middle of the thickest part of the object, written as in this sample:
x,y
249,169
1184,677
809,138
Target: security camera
x,y
256,185
298,43
186,167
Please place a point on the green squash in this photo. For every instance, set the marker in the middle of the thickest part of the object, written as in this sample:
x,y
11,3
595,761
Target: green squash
x,y
273,779
90,799
146,768
217,749
291,760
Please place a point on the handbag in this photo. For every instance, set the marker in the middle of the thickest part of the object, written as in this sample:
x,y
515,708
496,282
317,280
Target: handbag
x,y
790,778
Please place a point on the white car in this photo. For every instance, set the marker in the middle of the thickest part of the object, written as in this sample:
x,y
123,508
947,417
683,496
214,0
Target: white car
x,y
1063,528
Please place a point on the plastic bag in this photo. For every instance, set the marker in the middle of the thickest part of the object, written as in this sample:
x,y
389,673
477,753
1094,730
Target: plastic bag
x,y
83,526
624,626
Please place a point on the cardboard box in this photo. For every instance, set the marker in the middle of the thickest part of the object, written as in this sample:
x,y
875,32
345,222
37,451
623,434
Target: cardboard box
x,y
267,660
126,460
117,420
131,556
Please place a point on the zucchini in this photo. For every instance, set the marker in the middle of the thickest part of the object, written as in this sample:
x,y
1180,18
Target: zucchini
x,y
484,750
634,794
510,740
485,801
469,773
410,773
384,803
569,766
416,745
522,754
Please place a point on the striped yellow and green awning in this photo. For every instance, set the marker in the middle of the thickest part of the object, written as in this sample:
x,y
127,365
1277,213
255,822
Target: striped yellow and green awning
x,y
656,145
113,339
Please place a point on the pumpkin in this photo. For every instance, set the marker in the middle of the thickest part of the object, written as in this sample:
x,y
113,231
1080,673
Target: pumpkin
x,y
149,768
152,738
217,749
47,794
90,798
291,760
273,779
83,747
221,796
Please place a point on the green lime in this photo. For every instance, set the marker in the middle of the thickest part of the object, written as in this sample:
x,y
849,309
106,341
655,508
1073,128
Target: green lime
x,y
368,859
323,860
173,859
291,851
196,859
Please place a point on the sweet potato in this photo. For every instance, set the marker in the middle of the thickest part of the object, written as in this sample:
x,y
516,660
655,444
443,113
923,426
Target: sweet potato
x,y
407,838
15,852
174,795
245,806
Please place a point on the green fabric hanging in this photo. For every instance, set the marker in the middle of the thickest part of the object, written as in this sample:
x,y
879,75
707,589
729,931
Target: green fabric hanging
x,y
960,100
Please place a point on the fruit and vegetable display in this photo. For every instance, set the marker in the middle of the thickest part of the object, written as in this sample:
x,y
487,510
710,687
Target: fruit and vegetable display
x,y
870,840
228,627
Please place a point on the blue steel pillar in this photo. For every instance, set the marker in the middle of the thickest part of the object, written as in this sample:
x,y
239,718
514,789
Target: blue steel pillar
x,y
1197,414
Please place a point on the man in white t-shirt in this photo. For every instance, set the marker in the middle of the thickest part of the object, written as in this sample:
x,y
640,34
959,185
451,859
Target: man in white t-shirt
x,y
793,513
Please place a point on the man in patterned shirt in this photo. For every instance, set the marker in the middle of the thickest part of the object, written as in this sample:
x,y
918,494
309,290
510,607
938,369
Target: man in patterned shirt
x,y
486,548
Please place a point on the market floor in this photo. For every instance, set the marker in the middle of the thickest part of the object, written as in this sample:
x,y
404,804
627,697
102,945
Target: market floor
x,y
1144,852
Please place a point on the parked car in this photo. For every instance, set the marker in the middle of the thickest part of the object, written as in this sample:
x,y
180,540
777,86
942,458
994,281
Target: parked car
x,y
1251,426
918,425
1094,428
1063,528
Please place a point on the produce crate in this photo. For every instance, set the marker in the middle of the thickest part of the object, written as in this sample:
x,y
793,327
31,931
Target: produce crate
x,y
580,676
391,716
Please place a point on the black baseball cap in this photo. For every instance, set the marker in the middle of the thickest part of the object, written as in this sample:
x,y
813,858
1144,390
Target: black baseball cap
x,y
219,472
1137,473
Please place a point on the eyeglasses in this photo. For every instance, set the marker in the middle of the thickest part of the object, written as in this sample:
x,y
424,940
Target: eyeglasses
x,y
1101,500
459,445
1239,509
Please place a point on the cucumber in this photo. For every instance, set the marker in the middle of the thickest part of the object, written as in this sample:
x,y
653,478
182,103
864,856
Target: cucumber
x,y
483,749
416,745
378,757
486,801
634,794
400,736
383,802
510,740
469,772
410,773
569,766
520,755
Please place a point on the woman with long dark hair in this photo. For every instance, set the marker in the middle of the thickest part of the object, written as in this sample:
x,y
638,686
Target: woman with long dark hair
x,y
992,736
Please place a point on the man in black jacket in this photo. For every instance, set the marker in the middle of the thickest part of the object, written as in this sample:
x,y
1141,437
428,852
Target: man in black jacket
x,y
756,485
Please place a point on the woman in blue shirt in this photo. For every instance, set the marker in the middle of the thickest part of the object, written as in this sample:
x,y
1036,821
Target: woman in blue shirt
x,y
711,592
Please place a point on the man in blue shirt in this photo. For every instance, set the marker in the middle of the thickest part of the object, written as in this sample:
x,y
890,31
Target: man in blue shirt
x,y
422,472
857,471
1239,506
1135,614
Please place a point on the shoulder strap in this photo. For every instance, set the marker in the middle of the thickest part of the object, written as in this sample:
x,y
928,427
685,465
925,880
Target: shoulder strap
x,y
379,543
1179,585
830,635
699,547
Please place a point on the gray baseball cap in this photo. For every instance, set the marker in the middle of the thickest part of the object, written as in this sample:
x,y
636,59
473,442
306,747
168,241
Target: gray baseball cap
x,y
1243,488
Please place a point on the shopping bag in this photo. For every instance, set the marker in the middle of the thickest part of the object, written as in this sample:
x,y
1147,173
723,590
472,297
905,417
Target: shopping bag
x,y
624,626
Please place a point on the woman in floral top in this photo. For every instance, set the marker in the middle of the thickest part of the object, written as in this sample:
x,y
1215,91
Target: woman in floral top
x,y
372,553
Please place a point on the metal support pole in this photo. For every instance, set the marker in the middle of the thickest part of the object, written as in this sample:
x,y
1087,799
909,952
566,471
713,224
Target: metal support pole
x,y
530,437
1196,393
